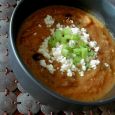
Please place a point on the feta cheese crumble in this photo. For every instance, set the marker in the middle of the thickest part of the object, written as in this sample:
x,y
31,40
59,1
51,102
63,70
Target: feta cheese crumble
x,y
92,44
96,49
49,21
59,26
83,65
75,30
48,66
69,73
71,43
59,54
44,48
81,73
94,63
43,63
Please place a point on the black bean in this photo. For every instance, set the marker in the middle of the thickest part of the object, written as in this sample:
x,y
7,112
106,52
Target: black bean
x,y
37,56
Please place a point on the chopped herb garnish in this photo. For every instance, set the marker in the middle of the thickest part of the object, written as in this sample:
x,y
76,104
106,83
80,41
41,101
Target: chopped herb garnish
x,y
72,48
72,45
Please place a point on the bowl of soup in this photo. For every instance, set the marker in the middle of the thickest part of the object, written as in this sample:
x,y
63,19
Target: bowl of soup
x,y
63,52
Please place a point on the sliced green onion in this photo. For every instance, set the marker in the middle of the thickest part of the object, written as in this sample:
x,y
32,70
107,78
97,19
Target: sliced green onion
x,y
84,53
67,31
77,51
52,42
76,60
65,52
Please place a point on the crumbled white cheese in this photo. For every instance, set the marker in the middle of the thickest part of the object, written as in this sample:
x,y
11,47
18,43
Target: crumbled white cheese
x,y
75,30
106,64
50,68
82,62
43,63
44,48
62,59
83,67
66,64
92,44
57,51
58,26
44,52
73,68
81,73
83,30
49,21
85,37
64,67
72,26
71,43
96,49
69,73
94,63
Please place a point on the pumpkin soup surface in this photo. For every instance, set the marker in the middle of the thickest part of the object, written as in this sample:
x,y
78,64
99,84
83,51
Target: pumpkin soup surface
x,y
70,51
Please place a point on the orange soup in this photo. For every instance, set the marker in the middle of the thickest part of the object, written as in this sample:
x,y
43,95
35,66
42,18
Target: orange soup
x,y
70,51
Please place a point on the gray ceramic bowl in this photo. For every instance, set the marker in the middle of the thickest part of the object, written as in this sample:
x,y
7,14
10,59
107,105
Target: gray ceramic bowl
x,y
103,9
